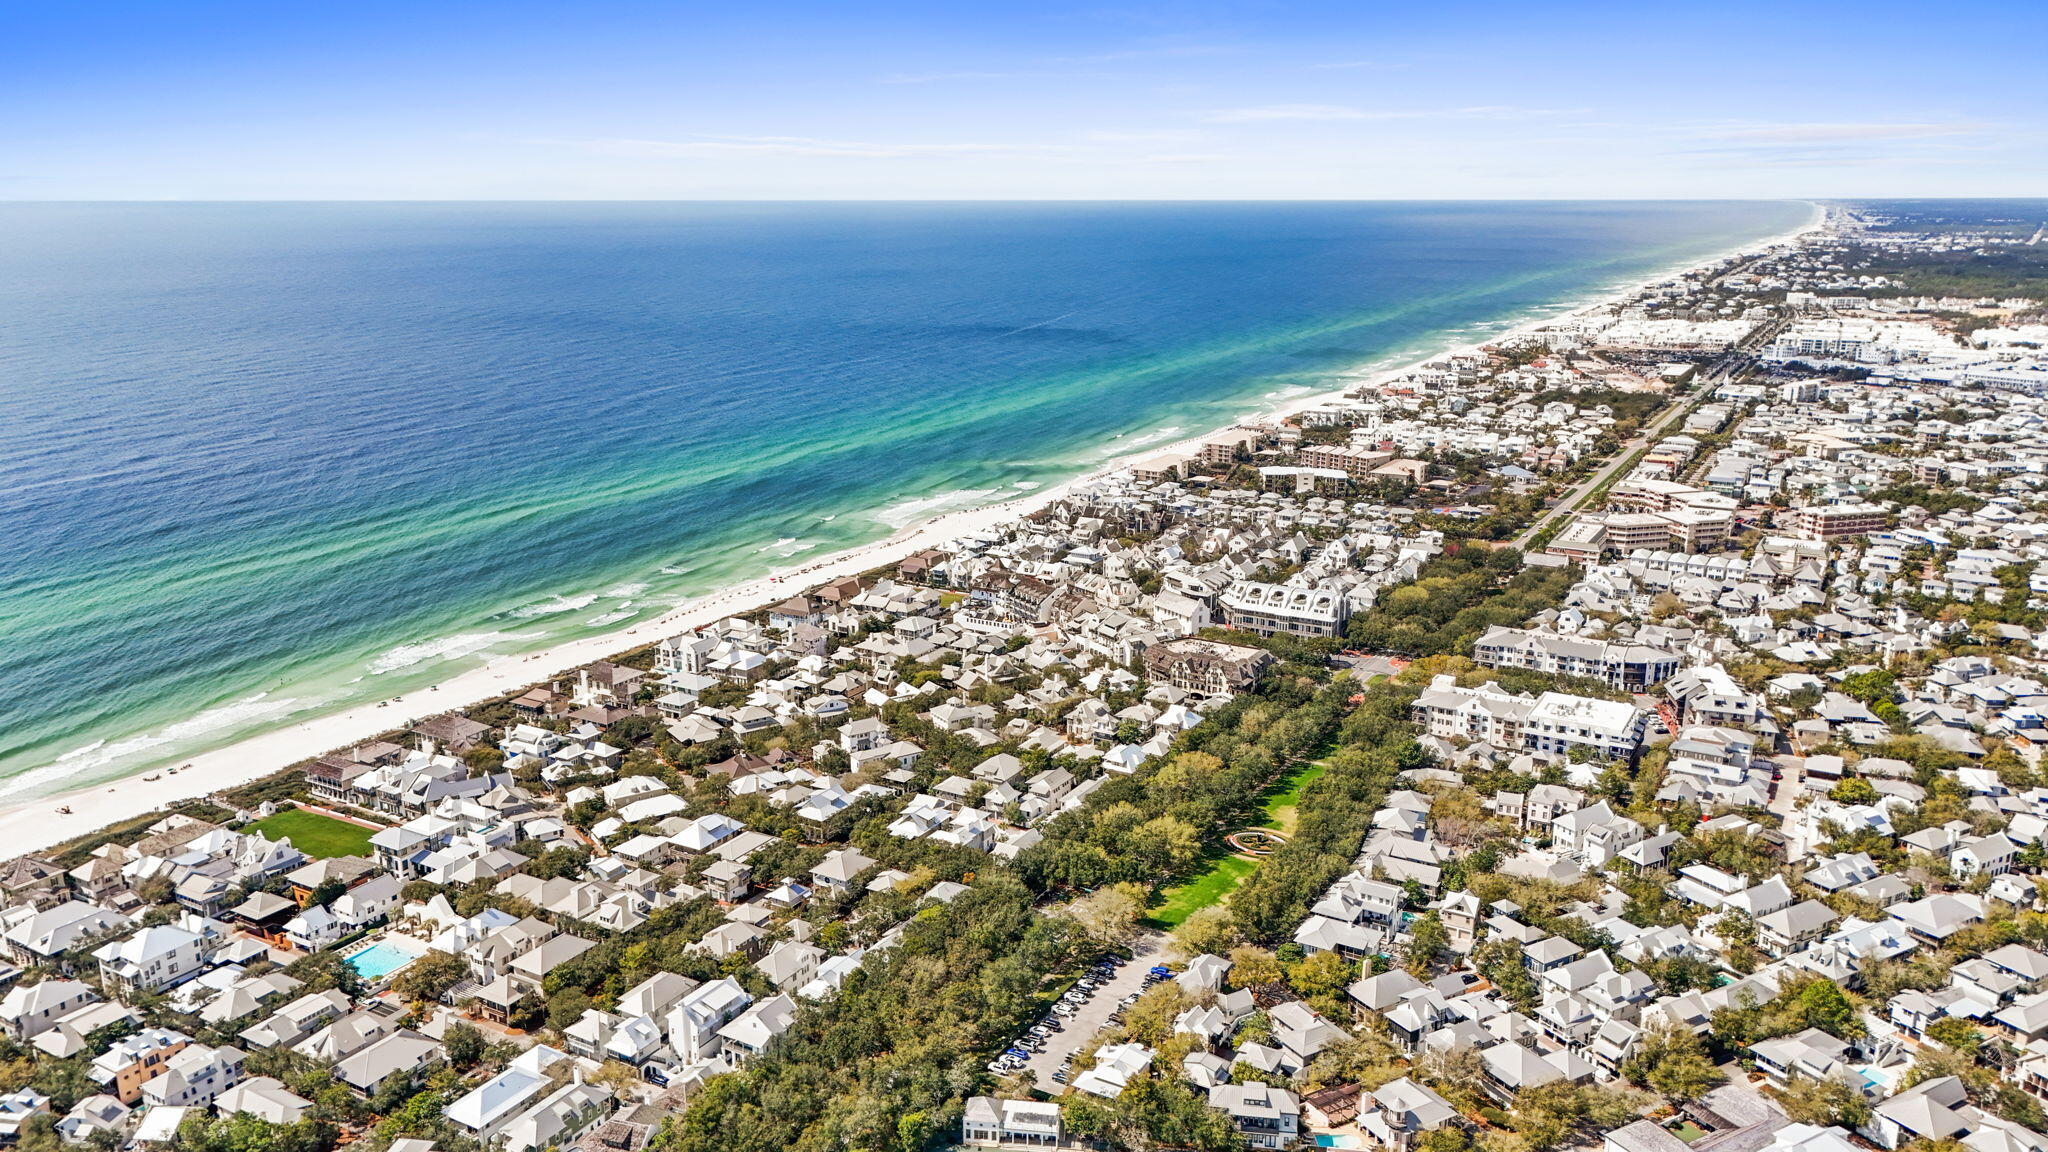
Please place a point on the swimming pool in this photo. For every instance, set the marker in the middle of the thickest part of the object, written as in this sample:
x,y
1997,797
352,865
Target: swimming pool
x,y
379,960
1336,1140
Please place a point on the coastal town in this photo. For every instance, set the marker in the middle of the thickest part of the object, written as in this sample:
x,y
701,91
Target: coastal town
x,y
1624,735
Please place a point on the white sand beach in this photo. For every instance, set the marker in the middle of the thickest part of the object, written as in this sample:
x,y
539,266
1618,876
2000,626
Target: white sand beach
x,y
35,824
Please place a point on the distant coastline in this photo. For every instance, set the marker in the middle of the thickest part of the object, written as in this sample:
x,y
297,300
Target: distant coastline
x,y
33,823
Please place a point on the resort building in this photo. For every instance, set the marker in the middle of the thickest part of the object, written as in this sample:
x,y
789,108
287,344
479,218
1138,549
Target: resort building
x,y
1632,667
1267,609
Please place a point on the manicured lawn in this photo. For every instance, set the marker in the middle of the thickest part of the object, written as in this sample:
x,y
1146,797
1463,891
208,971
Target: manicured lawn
x,y
316,835
1215,883
1184,900
1280,806
1688,1131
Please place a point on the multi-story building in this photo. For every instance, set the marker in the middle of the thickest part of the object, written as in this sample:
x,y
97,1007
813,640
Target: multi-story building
x,y
1555,722
1223,449
133,1061
1358,463
1266,609
1837,521
1205,666
195,1077
993,1123
1634,531
1265,1116
154,958
1631,667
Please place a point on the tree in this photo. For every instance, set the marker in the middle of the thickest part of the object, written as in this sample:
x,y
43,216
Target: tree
x,y
1670,1060
1206,932
1428,944
1500,960
1956,1033
1251,967
1449,1138
1871,687
1824,1006
1825,1102
320,971
1854,790
1110,915
1165,845
431,976
1322,975
246,1132
465,1045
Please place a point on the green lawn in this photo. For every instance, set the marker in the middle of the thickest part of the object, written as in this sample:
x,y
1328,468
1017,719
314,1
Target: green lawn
x,y
1688,1131
318,836
1184,900
1280,806
1215,883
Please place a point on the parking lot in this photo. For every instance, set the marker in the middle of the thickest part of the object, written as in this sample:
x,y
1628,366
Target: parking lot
x,y
1091,1014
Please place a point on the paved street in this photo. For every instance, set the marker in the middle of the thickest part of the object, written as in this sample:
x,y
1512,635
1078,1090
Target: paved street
x,y
1727,367
1149,950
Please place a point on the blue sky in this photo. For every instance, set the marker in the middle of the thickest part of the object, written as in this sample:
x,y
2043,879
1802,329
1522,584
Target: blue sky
x,y
1364,99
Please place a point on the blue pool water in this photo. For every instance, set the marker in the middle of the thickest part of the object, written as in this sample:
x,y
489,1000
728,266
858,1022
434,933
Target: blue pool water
x,y
1335,1140
378,961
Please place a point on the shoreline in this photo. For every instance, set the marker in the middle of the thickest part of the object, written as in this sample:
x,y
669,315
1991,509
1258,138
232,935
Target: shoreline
x,y
35,824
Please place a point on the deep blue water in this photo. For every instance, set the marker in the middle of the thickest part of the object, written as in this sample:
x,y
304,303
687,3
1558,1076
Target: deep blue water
x,y
258,460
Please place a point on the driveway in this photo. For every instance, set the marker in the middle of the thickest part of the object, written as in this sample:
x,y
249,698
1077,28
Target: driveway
x,y
1149,949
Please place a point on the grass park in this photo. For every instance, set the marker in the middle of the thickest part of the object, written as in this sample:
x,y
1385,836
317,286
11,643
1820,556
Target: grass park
x,y
1215,883
322,837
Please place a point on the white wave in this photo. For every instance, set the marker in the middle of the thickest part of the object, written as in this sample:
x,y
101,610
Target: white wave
x,y
407,655
626,591
558,604
1126,443
101,753
88,750
788,546
1026,485
675,570
906,512
612,617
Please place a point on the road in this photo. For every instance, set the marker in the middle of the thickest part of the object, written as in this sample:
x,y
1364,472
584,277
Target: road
x,y
1148,950
1570,502
1731,363
1790,787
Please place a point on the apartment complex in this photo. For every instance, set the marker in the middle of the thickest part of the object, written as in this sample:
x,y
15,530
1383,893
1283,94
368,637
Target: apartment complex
x,y
1632,667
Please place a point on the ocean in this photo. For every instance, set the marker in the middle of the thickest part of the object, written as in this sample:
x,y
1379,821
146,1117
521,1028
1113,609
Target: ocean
x,y
263,461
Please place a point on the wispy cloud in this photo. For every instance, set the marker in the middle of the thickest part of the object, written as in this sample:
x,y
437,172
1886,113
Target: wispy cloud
x,y
1843,144
1285,112
1168,51
707,146
1363,65
1182,158
1389,63
1170,137
1274,112
1064,67
1840,132
944,77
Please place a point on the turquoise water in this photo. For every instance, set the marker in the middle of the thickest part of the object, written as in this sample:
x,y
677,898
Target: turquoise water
x,y
378,961
263,461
